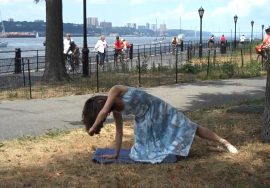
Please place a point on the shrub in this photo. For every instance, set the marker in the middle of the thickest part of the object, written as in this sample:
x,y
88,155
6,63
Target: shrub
x,y
228,68
253,69
189,68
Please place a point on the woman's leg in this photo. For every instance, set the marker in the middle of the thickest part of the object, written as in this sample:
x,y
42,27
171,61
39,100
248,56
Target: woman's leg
x,y
207,134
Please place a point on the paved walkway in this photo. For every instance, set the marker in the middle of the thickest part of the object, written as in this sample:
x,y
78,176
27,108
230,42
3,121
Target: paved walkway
x,y
33,117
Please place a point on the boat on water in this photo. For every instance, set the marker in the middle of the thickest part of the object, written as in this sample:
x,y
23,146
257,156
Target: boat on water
x,y
20,35
3,44
158,41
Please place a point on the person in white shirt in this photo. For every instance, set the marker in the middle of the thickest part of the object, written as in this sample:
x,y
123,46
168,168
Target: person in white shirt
x,y
101,47
242,39
67,42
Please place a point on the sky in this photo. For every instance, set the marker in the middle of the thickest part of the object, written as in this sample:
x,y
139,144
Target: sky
x,y
218,16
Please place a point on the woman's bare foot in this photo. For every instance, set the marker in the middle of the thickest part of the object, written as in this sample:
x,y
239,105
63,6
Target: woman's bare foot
x,y
229,146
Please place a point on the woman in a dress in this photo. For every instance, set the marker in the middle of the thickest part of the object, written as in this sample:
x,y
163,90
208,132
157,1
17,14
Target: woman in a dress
x,y
159,129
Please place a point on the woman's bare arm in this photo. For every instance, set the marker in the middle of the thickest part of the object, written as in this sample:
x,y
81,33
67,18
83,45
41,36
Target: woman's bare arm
x,y
119,131
119,135
114,92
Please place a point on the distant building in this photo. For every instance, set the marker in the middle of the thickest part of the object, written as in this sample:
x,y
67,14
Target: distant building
x,y
132,25
147,26
92,21
162,29
106,25
11,20
42,21
154,27
141,27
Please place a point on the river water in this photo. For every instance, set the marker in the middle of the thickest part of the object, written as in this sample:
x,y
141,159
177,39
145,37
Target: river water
x,y
37,43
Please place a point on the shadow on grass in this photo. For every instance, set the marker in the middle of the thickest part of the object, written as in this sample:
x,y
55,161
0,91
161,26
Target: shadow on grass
x,y
206,166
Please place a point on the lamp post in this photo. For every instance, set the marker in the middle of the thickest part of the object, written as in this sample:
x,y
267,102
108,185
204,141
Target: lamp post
x,y
262,31
85,50
252,24
201,12
235,21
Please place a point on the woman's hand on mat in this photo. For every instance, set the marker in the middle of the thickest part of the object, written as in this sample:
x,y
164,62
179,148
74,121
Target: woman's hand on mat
x,y
110,156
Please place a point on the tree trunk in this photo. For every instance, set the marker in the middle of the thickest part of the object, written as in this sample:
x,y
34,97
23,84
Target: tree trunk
x,y
266,116
55,70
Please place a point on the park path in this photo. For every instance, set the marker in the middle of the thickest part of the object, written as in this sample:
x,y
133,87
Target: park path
x,y
34,117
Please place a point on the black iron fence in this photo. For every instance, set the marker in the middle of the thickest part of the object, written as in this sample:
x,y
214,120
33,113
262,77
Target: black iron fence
x,y
144,65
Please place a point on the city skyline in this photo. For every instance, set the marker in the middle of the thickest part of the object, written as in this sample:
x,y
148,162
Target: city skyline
x,y
218,17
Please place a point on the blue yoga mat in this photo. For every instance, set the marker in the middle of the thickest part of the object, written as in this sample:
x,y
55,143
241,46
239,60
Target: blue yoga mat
x,y
123,157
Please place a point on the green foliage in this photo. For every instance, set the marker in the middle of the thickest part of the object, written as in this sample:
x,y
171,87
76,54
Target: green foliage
x,y
190,68
252,69
55,133
229,69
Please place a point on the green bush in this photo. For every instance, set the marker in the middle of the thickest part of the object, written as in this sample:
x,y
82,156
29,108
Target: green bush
x,y
229,69
189,68
252,69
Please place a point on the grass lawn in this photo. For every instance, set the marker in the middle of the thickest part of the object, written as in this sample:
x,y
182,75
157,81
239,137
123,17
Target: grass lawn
x,y
62,159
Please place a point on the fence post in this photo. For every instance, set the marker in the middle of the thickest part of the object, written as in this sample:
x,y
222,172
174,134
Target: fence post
x,y
188,58
176,64
250,53
97,76
169,47
242,58
144,50
160,54
139,64
214,57
182,45
37,61
131,54
18,61
90,68
29,79
208,63
150,49
23,73
155,49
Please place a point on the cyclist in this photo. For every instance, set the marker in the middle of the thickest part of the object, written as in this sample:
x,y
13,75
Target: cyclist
x,y
211,41
261,50
174,44
118,46
126,47
67,42
74,55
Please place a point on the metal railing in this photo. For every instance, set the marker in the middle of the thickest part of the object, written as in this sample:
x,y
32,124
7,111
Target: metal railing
x,y
148,65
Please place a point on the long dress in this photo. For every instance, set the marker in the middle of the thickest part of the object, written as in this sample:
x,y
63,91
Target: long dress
x,y
159,128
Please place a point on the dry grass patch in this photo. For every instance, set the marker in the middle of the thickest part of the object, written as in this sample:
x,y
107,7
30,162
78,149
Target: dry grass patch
x,y
63,159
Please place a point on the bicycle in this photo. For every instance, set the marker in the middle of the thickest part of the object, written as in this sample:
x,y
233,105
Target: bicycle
x,y
119,59
73,65
263,54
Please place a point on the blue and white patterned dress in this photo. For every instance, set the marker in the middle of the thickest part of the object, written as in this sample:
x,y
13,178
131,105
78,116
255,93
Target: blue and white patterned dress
x,y
159,129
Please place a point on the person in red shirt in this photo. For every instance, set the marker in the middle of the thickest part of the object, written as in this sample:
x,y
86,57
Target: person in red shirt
x,y
222,44
222,39
265,46
266,40
118,47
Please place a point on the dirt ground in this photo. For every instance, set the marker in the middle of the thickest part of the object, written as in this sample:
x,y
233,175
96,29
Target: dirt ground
x,y
63,159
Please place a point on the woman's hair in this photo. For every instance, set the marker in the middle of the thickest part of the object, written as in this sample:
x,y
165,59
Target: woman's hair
x,y
91,109
267,29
